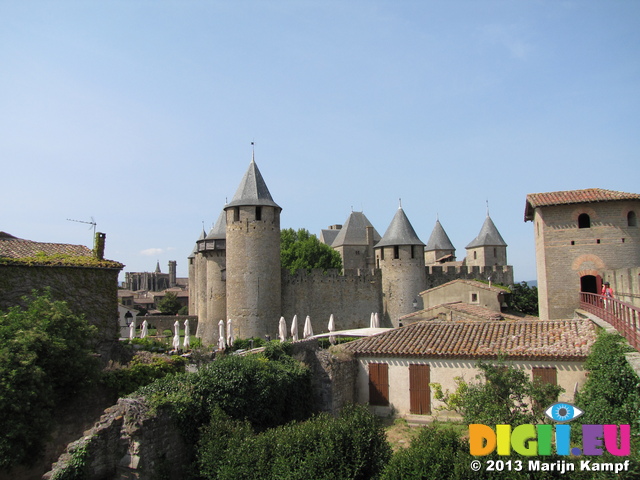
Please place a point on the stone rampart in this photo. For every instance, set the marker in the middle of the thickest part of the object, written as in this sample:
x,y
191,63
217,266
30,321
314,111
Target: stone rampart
x,y
350,297
165,322
438,275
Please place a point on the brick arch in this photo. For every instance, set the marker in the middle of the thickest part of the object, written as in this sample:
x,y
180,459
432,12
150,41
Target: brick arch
x,y
583,209
596,260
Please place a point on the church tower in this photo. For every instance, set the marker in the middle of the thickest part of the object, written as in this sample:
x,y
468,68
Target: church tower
x,y
400,256
253,273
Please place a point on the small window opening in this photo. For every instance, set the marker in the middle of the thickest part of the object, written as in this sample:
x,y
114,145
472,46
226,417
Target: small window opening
x,y
475,255
631,219
474,298
584,221
236,214
598,241
413,254
382,253
623,240
495,252
396,251
573,242
258,213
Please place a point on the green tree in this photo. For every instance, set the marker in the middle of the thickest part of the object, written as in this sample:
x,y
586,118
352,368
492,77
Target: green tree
x,y
502,394
524,298
302,250
45,358
169,304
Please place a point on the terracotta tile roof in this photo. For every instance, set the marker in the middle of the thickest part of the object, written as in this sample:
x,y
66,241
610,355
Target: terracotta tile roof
x,y
538,339
19,248
589,195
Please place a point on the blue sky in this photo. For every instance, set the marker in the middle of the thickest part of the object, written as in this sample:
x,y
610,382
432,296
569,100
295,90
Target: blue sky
x,y
141,114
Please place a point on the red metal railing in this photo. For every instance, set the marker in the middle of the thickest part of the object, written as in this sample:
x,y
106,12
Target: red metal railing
x,y
622,316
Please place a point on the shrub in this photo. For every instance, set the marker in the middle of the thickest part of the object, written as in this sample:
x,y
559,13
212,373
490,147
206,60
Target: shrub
x,y
352,446
45,358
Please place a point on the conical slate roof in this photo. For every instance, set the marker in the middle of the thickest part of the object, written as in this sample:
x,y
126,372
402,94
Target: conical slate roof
x,y
252,190
488,236
400,232
439,240
219,230
354,231
202,236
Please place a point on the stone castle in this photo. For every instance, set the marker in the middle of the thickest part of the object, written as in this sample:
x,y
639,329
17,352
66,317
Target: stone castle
x,y
235,272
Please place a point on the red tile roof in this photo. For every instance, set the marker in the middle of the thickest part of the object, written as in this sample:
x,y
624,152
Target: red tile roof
x,y
19,248
538,339
589,195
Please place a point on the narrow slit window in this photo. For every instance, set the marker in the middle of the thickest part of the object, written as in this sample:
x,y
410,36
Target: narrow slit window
x,y
258,213
396,251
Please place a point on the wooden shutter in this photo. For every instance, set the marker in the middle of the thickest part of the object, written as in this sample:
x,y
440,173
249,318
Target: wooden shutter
x,y
379,384
419,390
546,375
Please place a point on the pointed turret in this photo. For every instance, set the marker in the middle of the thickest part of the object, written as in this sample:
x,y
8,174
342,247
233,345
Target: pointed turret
x,y
439,248
355,241
488,248
399,254
400,232
252,190
158,267
253,283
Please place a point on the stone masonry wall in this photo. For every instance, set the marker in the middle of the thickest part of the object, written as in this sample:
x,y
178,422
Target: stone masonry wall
x,y
129,441
92,292
351,298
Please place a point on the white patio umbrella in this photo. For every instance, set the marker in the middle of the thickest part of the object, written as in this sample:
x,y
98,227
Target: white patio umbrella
x,y
187,333
221,342
376,318
176,335
308,329
282,330
294,328
332,328
145,329
229,333
132,329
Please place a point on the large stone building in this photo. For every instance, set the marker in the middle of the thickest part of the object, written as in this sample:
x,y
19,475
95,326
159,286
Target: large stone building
x,y
234,269
582,238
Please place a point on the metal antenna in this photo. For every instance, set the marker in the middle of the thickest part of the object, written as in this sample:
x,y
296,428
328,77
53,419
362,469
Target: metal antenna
x,y
92,223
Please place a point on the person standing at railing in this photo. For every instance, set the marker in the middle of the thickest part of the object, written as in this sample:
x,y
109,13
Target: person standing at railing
x,y
607,291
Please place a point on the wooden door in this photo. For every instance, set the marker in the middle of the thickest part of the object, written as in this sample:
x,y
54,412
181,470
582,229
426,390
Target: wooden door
x,y
419,390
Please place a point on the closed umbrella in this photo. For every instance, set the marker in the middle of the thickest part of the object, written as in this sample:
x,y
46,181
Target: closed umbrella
x,y
282,330
187,334
332,328
145,329
132,329
377,320
294,328
372,321
221,342
229,333
176,335
308,330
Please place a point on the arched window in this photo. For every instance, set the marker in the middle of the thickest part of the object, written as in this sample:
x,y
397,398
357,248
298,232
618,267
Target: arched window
x,y
584,221
631,219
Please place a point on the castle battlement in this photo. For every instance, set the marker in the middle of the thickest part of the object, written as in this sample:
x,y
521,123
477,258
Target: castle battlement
x,y
332,275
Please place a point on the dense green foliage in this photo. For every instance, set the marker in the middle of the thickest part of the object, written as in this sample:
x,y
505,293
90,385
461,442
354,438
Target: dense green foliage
x,y
524,298
503,394
302,250
610,394
169,304
267,393
45,358
143,369
352,446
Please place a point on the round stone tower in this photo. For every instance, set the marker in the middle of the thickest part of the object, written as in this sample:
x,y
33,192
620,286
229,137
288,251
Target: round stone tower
x,y
253,258
400,256
211,286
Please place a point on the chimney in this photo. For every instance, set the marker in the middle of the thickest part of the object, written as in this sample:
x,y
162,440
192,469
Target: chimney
x,y
98,250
